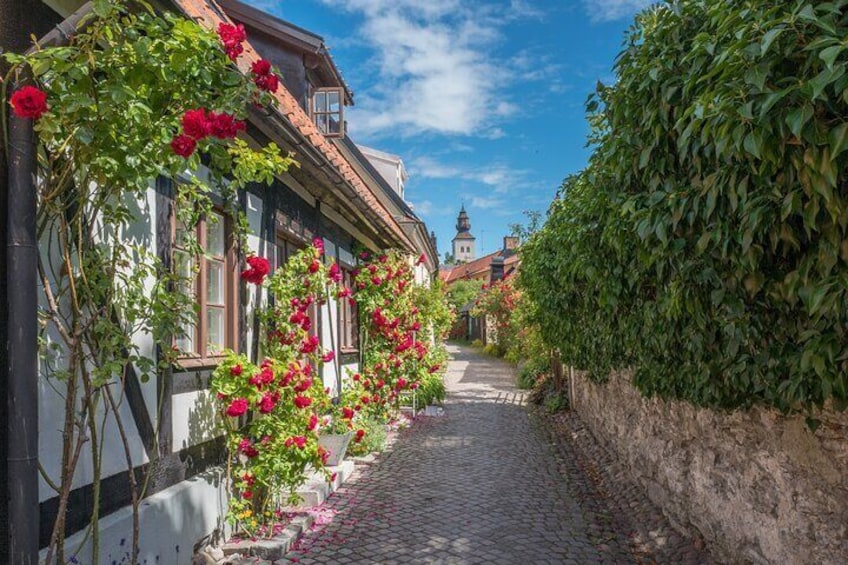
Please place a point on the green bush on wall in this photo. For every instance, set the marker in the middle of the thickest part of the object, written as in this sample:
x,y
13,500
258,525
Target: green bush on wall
x,y
706,244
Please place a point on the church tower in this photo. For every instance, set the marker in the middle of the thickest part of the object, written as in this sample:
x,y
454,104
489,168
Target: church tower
x,y
463,241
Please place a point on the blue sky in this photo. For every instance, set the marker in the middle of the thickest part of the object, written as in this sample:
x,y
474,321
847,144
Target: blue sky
x,y
483,100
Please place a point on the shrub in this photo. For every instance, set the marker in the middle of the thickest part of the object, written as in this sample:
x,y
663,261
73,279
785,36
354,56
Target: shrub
x,y
705,244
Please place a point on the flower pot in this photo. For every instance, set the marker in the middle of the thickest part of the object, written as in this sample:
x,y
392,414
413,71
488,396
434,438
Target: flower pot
x,y
336,446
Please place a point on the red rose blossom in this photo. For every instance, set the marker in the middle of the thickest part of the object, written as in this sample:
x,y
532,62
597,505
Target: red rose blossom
x,y
29,102
183,145
224,126
237,407
232,37
269,82
347,413
196,124
299,441
268,402
235,370
359,435
248,494
303,385
247,448
260,67
259,269
314,266
422,259
329,356
318,243
335,273
313,422
302,401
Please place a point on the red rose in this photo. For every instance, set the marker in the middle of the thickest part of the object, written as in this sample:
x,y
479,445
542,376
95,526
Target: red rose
x,y
196,124
335,273
248,494
422,259
247,448
376,281
347,413
303,385
260,67
259,269
29,102
415,326
344,293
183,145
433,369
313,422
299,441
329,356
309,345
314,266
359,435
318,243
232,37
224,126
302,401
269,82
237,407
268,402
364,255
401,383
380,383
357,376
365,399
235,370
248,479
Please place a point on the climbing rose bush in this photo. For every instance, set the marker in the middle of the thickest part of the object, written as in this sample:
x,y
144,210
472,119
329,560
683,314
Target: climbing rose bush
x,y
274,411
397,347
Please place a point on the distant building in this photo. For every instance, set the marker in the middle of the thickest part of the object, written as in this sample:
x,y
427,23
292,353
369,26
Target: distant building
x,y
463,241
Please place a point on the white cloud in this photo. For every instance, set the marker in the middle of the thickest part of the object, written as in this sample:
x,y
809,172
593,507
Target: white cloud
x,y
434,68
486,203
428,208
609,10
500,178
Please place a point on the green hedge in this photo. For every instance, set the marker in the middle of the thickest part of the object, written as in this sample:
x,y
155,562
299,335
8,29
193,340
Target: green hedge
x,y
706,244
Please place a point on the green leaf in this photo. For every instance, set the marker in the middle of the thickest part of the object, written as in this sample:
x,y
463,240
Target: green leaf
x,y
830,54
838,139
798,118
769,38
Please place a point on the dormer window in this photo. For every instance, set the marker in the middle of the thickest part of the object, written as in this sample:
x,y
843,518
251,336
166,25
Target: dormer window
x,y
328,111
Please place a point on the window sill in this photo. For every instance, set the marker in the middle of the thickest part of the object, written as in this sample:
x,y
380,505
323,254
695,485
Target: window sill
x,y
196,363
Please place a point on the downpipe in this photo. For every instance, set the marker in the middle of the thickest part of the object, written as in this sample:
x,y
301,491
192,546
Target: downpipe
x,y
22,399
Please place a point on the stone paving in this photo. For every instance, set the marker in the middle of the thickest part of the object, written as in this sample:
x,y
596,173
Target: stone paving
x,y
489,482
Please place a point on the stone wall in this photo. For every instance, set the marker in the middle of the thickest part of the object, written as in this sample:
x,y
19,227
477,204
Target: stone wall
x,y
758,486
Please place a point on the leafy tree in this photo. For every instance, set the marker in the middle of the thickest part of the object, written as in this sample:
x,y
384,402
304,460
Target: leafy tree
x,y
463,291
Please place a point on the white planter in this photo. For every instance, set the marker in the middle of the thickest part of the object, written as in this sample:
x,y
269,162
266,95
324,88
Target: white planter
x,y
336,446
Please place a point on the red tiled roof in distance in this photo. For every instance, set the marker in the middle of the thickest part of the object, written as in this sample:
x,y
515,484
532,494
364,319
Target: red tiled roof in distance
x,y
210,14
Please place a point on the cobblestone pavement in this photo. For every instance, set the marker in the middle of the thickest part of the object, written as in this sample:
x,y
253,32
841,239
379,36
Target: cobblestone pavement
x,y
490,482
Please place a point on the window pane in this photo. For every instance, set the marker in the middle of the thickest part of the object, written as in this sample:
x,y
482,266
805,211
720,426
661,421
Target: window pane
x,y
321,122
320,102
215,282
180,231
333,102
183,268
186,343
215,319
334,124
215,235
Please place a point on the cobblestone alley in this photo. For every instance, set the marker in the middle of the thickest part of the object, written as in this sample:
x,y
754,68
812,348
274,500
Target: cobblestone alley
x,y
488,483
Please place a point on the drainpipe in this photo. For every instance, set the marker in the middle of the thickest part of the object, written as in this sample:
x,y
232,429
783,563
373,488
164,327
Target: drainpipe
x,y
22,399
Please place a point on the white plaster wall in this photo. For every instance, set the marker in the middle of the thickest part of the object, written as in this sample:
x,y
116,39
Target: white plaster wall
x,y
194,419
171,521
256,246
51,399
